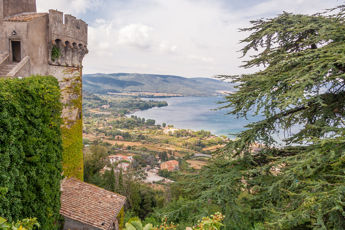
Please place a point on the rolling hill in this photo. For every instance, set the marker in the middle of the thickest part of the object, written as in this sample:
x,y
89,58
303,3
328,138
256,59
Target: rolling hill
x,y
132,82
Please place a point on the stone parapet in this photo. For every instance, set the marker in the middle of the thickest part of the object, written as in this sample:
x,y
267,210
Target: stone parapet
x,y
73,30
70,38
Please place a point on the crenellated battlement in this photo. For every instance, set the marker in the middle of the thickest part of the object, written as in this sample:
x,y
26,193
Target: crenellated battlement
x,y
69,37
73,30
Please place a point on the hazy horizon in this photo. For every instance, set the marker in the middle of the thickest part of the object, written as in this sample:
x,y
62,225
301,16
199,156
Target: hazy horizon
x,y
186,38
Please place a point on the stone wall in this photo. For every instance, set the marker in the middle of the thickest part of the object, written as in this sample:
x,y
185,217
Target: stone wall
x,y
21,35
73,224
22,69
69,37
37,45
2,34
12,7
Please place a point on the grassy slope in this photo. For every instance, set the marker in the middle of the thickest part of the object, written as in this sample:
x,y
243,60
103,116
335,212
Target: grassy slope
x,y
123,83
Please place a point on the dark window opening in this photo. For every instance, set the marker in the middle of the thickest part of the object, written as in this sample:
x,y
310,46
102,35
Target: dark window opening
x,y
16,51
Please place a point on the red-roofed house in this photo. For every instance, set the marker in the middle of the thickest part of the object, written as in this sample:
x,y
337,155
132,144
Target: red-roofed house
x,y
85,206
170,165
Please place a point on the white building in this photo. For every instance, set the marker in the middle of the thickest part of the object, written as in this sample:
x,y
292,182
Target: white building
x,y
117,158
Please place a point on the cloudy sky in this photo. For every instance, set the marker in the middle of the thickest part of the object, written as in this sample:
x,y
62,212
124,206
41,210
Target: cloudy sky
x,y
189,38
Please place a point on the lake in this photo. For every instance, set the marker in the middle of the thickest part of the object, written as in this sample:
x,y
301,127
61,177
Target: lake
x,y
195,113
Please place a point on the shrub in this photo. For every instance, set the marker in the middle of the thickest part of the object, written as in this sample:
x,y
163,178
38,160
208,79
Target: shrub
x,y
30,149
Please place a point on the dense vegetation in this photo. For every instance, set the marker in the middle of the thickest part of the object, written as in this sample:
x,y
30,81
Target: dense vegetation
x,y
295,178
30,149
138,129
125,83
117,105
297,183
141,199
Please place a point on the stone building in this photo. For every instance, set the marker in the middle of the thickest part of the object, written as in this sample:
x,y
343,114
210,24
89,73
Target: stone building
x,y
48,44
54,44
27,39
88,207
170,165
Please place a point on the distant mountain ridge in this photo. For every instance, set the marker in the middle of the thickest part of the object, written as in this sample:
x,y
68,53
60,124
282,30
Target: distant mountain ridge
x,y
133,82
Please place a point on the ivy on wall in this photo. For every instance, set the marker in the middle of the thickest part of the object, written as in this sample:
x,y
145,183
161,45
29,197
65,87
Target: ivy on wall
x,y
30,149
55,53
120,217
72,130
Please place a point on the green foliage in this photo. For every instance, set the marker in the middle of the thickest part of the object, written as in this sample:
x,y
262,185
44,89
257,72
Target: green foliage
x,y
135,199
26,224
120,187
299,183
94,162
165,173
141,199
119,104
72,130
135,224
73,146
120,217
214,222
55,53
163,156
150,122
30,149
3,191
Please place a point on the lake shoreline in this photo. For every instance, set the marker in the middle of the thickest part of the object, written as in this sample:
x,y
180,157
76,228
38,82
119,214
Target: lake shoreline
x,y
194,113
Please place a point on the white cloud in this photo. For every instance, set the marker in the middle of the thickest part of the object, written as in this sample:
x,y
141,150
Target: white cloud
x,y
136,35
185,37
200,59
99,43
165,47
198,43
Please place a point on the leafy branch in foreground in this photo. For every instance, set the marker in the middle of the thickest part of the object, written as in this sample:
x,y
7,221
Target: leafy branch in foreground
x,y
26,224
297,182
214,222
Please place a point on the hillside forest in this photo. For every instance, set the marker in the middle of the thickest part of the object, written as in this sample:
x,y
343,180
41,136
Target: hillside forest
x,y
150,85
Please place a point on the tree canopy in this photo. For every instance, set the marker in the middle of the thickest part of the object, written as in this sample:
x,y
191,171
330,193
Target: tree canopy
x,y
296,182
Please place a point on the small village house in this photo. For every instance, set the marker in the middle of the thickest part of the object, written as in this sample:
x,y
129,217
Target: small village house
x,y
170,165
117,158
85,206
105,106
124,166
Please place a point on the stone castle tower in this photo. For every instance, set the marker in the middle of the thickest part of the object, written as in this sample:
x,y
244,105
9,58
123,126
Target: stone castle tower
x,y
27,39
52,44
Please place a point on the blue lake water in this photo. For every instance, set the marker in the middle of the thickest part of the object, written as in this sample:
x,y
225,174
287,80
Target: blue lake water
x,y
196,113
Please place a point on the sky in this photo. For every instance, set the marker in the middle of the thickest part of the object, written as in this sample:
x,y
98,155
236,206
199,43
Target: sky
x,y
188,38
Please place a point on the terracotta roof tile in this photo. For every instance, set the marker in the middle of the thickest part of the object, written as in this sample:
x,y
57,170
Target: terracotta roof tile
x,y
172,162
25,17
90,204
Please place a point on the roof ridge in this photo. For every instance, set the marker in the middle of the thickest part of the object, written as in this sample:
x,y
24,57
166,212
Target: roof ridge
x,y
90,204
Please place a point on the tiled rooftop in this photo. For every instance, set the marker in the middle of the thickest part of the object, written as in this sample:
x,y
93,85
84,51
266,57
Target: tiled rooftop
x,y
89,204
25,17
172,162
